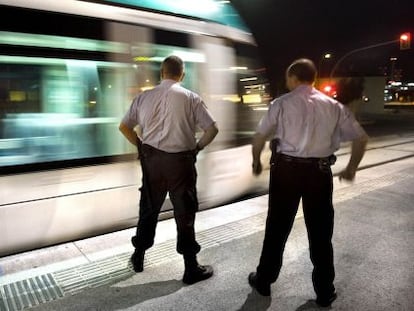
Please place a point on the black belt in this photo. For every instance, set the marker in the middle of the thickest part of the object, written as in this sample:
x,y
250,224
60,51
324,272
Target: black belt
x,y
150,149
287,158
326,160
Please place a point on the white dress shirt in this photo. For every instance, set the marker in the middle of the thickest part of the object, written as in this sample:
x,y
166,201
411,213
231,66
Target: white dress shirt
x,y
169,115
308,123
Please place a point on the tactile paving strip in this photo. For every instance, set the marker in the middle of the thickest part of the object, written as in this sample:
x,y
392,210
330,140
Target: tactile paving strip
x,y
28,293
353,191
93,274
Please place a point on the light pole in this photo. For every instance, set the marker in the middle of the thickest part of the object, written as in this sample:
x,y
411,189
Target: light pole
x,y
324,56
358,50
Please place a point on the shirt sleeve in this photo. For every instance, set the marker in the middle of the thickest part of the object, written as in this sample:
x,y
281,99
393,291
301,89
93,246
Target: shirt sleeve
x,y
204,119
349,128
130,119
268,123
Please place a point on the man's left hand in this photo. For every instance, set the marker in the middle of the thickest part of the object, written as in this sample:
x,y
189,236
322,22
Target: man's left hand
x,y
257,168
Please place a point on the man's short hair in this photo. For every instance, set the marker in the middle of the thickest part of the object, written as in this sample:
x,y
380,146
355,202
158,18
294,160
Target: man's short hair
x,y
304,70
173,66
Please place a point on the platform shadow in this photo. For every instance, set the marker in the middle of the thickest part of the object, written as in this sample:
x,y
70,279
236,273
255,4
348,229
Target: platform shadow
x,y
256,302
310,305
111,298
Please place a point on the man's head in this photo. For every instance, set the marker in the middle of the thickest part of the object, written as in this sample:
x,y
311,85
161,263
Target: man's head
x,y
172,68
301,71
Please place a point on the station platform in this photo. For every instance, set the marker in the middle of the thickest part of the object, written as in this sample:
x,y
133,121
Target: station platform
x,y
373,245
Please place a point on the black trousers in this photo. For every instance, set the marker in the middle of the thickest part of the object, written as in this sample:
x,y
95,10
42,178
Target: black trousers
x,y
163,173
291,181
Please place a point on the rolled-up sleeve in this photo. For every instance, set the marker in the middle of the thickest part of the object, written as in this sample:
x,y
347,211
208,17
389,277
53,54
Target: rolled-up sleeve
x,y
268,123
130,119
349,127
204,118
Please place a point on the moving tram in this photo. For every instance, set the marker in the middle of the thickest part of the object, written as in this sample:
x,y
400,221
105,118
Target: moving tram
x,y
69,70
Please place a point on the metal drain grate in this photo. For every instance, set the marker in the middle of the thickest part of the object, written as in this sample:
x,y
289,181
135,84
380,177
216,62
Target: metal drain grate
x,y
28,293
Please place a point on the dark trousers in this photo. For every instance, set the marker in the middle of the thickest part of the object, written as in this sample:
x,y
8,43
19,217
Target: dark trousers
x,y
289,182
163,173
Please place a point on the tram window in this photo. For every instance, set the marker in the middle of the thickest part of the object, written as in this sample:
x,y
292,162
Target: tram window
x,y
64,110
61,102
253,92
19,95
65,104
170,38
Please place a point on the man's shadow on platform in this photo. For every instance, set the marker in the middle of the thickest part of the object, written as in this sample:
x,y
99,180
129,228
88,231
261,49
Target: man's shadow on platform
x,y
311,305
110,297
256,302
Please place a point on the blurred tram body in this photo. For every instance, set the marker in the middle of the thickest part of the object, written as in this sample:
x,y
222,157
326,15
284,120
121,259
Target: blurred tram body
x,y
69,70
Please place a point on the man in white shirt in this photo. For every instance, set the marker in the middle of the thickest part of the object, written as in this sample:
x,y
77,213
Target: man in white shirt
x,y
168,117
306,128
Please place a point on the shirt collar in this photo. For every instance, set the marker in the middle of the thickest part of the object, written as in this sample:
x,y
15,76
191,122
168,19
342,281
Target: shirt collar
x,y
303,88
168,82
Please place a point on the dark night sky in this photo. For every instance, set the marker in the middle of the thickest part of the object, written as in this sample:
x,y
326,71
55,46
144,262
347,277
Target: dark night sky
x,y
289,29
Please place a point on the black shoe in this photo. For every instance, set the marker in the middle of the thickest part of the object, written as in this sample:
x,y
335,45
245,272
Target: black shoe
x,y
326,301
262,289
198,274
137,261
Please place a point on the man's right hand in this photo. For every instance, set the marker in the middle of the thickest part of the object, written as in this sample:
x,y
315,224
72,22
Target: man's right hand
x,y
357,152
347,175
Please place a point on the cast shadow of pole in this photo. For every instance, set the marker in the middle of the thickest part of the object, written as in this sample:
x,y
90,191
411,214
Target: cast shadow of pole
x,y
256,302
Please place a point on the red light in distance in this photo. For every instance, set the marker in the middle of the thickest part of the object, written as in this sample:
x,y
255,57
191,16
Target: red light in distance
x,y
327,89
405,37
